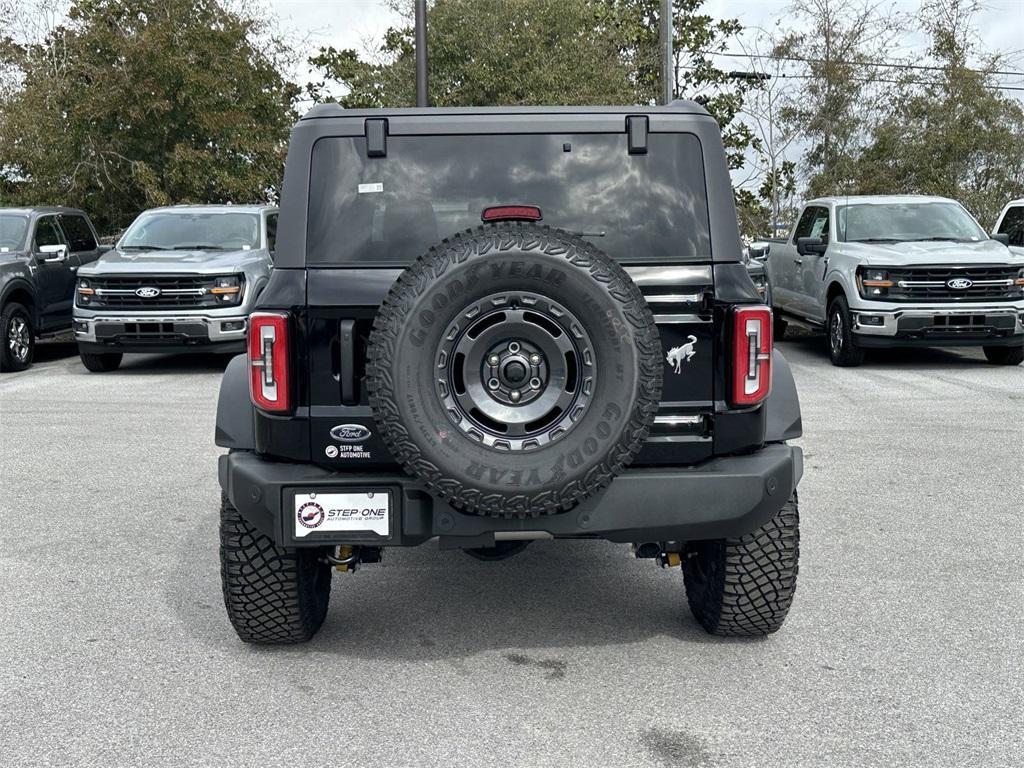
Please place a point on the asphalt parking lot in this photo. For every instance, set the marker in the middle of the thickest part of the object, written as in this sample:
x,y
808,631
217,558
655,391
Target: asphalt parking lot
x,y
903,647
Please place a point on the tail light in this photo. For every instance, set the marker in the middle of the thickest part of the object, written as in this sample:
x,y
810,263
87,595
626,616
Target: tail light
x,y
751,354
268,361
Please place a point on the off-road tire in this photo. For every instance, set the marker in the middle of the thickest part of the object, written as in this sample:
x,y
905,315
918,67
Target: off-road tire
x,y
1005,355
101,362
842,351
465,271
273,595
15,314
745,586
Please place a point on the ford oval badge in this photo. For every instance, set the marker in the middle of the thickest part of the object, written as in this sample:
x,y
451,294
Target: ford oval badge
x,y
147,292
959,283
350,433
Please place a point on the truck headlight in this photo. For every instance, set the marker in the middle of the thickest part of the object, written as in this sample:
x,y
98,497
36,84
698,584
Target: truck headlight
x,y
874,283
227,289
85,292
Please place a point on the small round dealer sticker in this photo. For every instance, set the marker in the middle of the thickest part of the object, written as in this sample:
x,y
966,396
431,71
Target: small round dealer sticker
x,y
311,514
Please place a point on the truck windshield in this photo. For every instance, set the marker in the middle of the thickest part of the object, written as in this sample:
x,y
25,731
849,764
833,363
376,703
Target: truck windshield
x,y
904,222
181,231
12,230
388,210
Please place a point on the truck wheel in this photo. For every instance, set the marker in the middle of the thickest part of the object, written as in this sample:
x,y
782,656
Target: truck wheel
x,y
1005,355
17,338
102,362
744,586
274,595
842,347
514,370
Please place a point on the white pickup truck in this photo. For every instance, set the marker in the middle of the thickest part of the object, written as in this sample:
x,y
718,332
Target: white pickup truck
x,y
879,271
1010,226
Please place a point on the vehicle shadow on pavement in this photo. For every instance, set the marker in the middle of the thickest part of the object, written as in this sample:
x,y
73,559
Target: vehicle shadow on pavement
x,y
133,365
805,346
429,604
49,350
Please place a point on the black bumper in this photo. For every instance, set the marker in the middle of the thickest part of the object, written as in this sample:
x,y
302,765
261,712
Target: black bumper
x,y
727,496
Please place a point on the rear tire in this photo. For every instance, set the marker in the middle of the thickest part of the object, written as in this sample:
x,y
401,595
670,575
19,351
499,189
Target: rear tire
x,y
103,362
744,586
842,346
273,595
17,338
502,550
1005,355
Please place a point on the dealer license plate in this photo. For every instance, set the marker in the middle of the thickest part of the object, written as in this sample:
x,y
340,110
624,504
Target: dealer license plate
x,y
351,512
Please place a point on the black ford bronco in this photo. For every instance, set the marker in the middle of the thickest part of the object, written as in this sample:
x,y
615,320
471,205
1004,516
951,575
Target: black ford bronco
x,y
489,326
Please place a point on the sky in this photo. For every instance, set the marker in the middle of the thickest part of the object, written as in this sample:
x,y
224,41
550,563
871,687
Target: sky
x,y
353,23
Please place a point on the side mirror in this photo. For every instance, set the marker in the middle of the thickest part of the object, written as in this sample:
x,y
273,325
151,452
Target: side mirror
x,y
807,246
760,250
53,254
1001,237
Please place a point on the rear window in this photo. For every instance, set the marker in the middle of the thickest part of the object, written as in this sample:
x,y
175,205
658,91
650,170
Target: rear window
x,y
389,210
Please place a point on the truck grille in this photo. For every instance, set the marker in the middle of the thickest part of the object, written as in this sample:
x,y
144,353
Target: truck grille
x,y
174,292
983,283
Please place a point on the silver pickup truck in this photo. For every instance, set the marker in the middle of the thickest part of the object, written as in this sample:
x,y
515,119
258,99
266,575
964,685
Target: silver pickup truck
x,y
897,271
181,279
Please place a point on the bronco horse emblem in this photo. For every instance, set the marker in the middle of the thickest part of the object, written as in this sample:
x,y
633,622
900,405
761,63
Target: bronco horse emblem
x,y
682,354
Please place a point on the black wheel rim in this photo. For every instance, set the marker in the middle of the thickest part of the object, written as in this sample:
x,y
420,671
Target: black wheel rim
x,y
835,332
516,371
19,338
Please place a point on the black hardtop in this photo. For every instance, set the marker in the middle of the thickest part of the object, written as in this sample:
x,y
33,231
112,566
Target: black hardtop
x,y
331,120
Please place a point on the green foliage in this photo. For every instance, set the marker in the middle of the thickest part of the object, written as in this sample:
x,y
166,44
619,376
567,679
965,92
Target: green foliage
x,y
542,52
951,133
135,103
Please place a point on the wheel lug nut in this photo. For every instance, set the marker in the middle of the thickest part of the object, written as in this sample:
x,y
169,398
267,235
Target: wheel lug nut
x,y
535,383
515,395
535,359
493,359
492,384
513,347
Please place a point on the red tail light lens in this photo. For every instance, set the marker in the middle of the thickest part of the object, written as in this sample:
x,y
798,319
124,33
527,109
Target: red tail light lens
x,y
269,384
751,354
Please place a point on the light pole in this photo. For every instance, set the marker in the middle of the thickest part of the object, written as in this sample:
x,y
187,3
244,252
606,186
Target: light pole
x,y
421,53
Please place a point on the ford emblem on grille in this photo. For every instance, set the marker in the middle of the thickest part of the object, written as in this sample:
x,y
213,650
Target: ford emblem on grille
x,y
959,283
350,433
147,292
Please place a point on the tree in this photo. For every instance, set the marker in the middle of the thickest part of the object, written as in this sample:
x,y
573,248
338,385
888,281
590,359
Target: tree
x,y
950,132
838,43
542,52
128,104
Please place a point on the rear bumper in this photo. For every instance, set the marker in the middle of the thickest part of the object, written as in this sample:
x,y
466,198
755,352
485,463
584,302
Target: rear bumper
x,y
938,325
728,496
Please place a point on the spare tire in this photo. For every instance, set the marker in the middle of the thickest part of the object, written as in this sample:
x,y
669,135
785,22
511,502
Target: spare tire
x,y
514,369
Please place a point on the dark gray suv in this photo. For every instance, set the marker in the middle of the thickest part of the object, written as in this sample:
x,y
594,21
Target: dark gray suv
x,y
41,250
490,326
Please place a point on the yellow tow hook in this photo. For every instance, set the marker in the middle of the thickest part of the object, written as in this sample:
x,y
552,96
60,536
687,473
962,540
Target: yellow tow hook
x,y
669,559
346,559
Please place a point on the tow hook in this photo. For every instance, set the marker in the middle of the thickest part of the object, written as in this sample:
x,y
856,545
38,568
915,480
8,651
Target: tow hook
x,y
669,559
347,558
653,550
